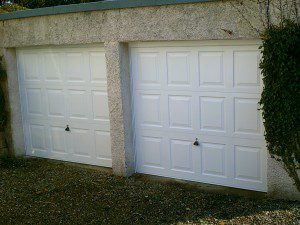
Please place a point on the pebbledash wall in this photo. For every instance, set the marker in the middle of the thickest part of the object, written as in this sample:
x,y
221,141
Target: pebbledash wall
x,y
116,24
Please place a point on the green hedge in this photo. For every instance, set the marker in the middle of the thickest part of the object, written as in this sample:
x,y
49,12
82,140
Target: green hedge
x,y
25,4
46,3
11,8
281,95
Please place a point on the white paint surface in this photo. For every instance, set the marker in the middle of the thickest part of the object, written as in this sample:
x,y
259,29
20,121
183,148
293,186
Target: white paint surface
x,y
185,91
65,86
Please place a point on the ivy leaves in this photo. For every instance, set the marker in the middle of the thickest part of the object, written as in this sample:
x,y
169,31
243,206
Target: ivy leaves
x,y
280,100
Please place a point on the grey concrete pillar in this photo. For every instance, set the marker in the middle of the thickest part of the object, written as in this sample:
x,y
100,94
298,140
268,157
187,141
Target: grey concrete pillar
x,y
119,100
17,143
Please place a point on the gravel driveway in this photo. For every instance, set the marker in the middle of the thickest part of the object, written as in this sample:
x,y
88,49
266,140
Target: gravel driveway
x,y
35,191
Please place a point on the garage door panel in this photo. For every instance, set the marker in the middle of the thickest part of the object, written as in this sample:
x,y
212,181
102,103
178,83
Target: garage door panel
x,y
34,99
206,91
79,104
246,69
211,69
149,109
100,105
38,153
65,86
153,147
92,124
213,159
180,111
247,163
56,103
81,142
97,67
250,163
182,155
147,69
38,137
103,143
247,117
29,70
178,69
51,67
212,114
76,68
58,140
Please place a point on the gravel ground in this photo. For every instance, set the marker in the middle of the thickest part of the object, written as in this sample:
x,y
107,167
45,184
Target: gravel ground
x,y
35,191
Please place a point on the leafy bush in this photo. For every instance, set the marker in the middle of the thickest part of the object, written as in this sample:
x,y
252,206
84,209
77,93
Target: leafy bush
x,y
25,4
11,8
281,95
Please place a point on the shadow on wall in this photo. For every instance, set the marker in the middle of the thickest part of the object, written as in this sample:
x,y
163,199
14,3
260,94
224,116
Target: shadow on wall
x,y
4,117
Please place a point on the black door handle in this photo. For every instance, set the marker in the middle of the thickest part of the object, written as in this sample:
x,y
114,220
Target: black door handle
x,y
196,143
67,128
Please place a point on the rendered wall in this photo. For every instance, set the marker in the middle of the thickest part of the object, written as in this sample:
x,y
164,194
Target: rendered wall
x,y
116,28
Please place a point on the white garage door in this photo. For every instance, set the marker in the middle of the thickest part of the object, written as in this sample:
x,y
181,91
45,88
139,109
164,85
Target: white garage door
x,y
64,104
206,91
